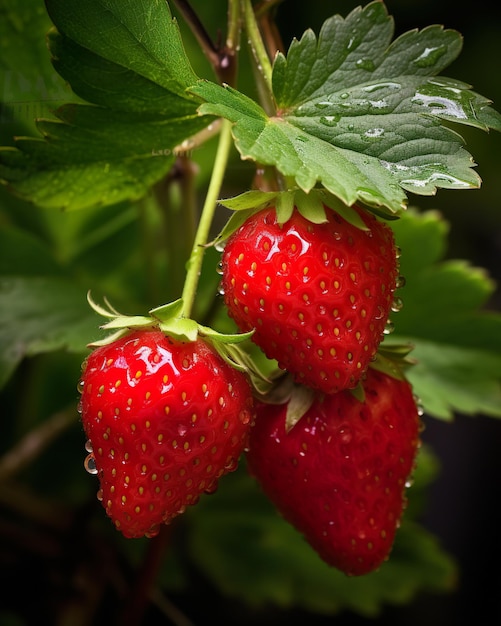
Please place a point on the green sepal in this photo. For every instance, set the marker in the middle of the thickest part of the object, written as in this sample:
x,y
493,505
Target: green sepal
x,y
168,311
108,312
125,321
393,360
223,338
312,206
168,318
180,328
232,352
299,404
108,339
253,199
298,398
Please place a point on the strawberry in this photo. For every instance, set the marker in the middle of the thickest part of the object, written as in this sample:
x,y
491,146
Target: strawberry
x,y
339,474
164,420
317,295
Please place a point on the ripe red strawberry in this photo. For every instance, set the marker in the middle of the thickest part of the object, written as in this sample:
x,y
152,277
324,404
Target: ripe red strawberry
x,y
339,474
317,295
164,420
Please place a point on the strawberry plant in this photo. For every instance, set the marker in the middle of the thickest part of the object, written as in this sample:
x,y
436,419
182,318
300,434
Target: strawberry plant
x,y
271,211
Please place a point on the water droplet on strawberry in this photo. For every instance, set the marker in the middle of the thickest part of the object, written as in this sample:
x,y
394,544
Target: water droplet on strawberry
x,y
88,446
80,386
90,464
244,417
397,305
389,328
345,435
380,313
231,465
211,488
182,430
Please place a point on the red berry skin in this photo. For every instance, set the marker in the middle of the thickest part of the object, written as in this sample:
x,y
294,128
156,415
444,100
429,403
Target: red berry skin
x,y
317,295
164,421
339,475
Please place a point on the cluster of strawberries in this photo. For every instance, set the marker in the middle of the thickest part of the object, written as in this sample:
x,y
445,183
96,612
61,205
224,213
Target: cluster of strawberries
x,y
333,444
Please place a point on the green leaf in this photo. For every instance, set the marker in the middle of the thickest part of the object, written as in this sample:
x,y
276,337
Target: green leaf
x,y
110,84
456,338
360,114
94,156
41,314
30,86
139,35
127,58
290,572
41,308
308,159
449,379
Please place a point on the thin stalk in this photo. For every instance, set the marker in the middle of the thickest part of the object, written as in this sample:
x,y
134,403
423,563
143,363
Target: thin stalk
x,y
194,265
260,55
202,36
176,204
139,594
234,25
270,33
221,57
35,443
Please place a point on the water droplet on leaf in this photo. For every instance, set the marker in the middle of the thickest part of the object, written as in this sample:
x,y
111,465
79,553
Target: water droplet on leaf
x,y
366,64
430,56
374,133
329,120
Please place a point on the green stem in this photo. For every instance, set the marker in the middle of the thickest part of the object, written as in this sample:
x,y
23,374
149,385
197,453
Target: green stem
x,y
234,25
194,265
258,50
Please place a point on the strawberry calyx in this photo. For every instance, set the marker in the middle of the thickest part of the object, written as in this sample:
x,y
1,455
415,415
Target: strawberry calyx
x,y
312,206
169,319
394,360
297,398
